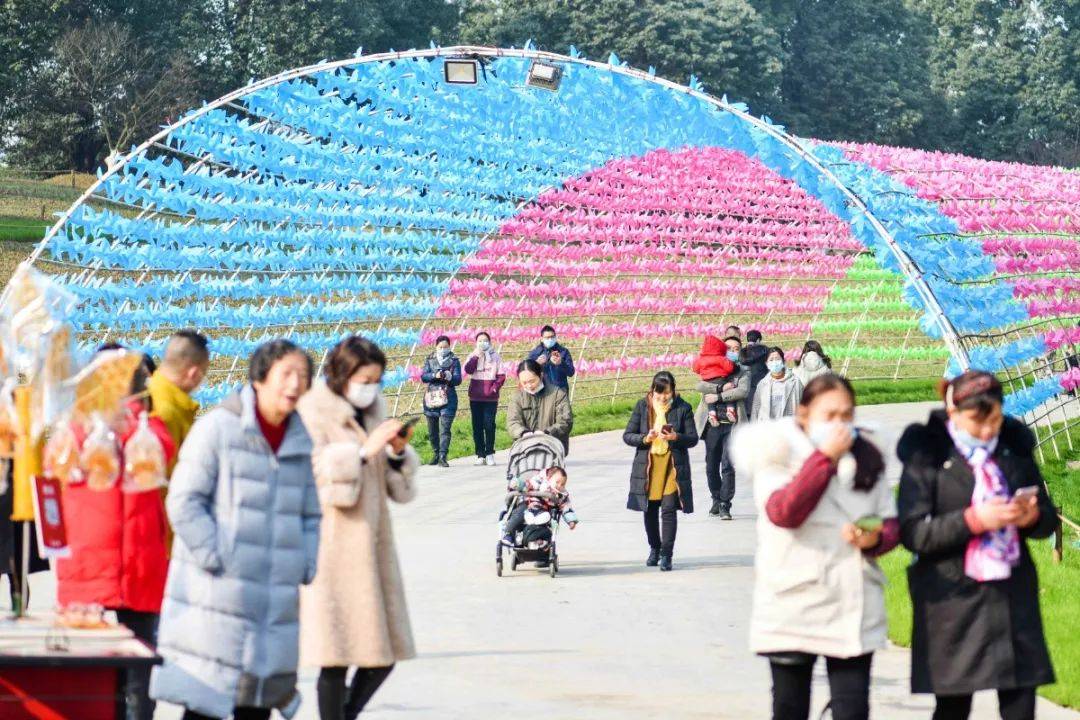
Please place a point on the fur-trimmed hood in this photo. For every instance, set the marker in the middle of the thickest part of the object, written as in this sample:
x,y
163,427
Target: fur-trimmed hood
x,y
933,438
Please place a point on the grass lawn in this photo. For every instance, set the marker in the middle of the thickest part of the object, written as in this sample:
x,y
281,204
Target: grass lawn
x,y
20,229
1059,588
1060,602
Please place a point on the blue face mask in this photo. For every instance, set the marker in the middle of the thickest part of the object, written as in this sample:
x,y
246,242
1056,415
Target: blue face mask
x,y
775,366
548,342
965,438
442,353
733,356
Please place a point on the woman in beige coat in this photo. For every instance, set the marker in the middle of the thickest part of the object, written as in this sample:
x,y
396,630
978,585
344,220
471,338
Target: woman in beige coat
x,y
354,613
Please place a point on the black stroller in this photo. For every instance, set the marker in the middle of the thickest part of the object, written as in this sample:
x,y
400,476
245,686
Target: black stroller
x,y
529,456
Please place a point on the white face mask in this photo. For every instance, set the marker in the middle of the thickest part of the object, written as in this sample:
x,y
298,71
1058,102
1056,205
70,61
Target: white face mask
x,y
539,387
442,352
484,345
362,395
818,432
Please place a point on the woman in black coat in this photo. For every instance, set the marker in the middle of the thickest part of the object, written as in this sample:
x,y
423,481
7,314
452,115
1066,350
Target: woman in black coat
x,y
973,585
662,429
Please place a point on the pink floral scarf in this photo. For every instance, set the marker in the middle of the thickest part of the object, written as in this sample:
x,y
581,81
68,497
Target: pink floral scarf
x,y
993,554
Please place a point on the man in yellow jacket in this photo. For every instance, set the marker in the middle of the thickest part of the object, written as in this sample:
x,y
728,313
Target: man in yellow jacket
x,y
182,370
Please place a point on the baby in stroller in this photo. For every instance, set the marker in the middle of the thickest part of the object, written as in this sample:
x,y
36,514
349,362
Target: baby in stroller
x,y
547,495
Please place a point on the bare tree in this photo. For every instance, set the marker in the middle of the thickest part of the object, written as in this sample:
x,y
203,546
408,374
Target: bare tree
x,y
106,89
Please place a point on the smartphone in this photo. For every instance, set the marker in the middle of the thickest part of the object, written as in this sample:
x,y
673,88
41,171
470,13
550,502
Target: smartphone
x,y
667,429
1026,492
407,424
869,523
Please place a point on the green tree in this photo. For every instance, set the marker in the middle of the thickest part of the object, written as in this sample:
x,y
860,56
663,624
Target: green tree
x,y
857,70
725,43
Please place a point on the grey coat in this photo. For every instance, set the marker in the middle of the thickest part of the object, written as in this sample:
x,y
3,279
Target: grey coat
x,y
763,396
247,536
736,394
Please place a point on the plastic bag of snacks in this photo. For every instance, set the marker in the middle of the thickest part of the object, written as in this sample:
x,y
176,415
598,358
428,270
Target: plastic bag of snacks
x,y
100,457
61,456
9,421
144,460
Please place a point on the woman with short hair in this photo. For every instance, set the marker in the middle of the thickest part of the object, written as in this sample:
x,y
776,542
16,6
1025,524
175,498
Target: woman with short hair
x,y
245,510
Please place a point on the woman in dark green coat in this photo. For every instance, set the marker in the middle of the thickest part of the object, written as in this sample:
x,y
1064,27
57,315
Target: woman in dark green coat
x,y
662,430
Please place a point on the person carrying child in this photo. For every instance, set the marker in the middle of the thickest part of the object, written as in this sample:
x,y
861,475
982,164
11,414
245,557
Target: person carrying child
x,y
715,367
537,510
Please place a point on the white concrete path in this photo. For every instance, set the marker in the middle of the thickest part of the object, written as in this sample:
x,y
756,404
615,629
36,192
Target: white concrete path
x,y
608,638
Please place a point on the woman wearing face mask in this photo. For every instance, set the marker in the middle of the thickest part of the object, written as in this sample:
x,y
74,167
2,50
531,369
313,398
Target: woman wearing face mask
x,y
245,510
824,514
777,395
354,614
442,373
538,407
812,362
485,367
973,585
662,430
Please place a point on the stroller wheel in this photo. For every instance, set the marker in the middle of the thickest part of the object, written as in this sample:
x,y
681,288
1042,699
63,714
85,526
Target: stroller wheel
x,y
513,561
498,567
554,567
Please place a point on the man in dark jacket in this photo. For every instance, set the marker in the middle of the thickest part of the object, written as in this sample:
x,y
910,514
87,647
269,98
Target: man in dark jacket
x,y
753,359
555,359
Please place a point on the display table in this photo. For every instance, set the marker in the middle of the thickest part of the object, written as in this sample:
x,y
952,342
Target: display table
x,y
53,674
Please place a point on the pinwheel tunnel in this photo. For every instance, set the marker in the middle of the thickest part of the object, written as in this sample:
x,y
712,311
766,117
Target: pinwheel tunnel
x,y
397,197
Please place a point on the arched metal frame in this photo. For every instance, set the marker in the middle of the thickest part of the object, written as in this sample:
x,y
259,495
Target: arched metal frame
x,y
908,266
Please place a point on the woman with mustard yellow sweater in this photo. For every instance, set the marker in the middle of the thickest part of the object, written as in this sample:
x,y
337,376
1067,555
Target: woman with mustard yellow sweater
x,y
662,430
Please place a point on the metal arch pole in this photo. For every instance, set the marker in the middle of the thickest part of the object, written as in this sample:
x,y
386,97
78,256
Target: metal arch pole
x,y
907,265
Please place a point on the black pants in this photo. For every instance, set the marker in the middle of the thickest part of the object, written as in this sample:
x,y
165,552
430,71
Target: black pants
x,y
1016,704
849,687
662,514
334,703
439,433
483,426
137,682
718,466
240,713
516,521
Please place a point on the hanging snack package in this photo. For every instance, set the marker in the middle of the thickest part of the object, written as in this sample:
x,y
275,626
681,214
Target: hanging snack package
x,y
100,458
61,456
144,460
9,421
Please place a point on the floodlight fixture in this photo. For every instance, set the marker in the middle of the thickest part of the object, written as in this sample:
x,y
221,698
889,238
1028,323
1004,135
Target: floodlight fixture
x,y
544,75
458,71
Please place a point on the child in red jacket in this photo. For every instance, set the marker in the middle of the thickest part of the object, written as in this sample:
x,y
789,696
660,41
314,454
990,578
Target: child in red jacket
x,y
714,366
118,552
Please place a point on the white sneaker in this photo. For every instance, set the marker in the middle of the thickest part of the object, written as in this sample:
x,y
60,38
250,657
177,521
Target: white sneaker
x,y
480,461
491,460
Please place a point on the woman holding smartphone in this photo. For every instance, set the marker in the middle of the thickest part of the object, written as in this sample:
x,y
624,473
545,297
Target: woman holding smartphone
x,y
354,614
970,496
662,430
824,515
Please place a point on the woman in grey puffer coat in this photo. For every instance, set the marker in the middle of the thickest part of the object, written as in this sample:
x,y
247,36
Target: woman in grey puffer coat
x,y
245,510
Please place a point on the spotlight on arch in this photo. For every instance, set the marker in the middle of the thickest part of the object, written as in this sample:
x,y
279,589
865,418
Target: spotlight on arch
x,y
460,72
544,75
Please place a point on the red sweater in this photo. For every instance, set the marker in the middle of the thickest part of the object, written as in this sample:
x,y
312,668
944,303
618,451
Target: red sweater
x,y
118,552
789,506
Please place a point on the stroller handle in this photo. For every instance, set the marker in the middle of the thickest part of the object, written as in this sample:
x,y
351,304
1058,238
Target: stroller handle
x,y
540,495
